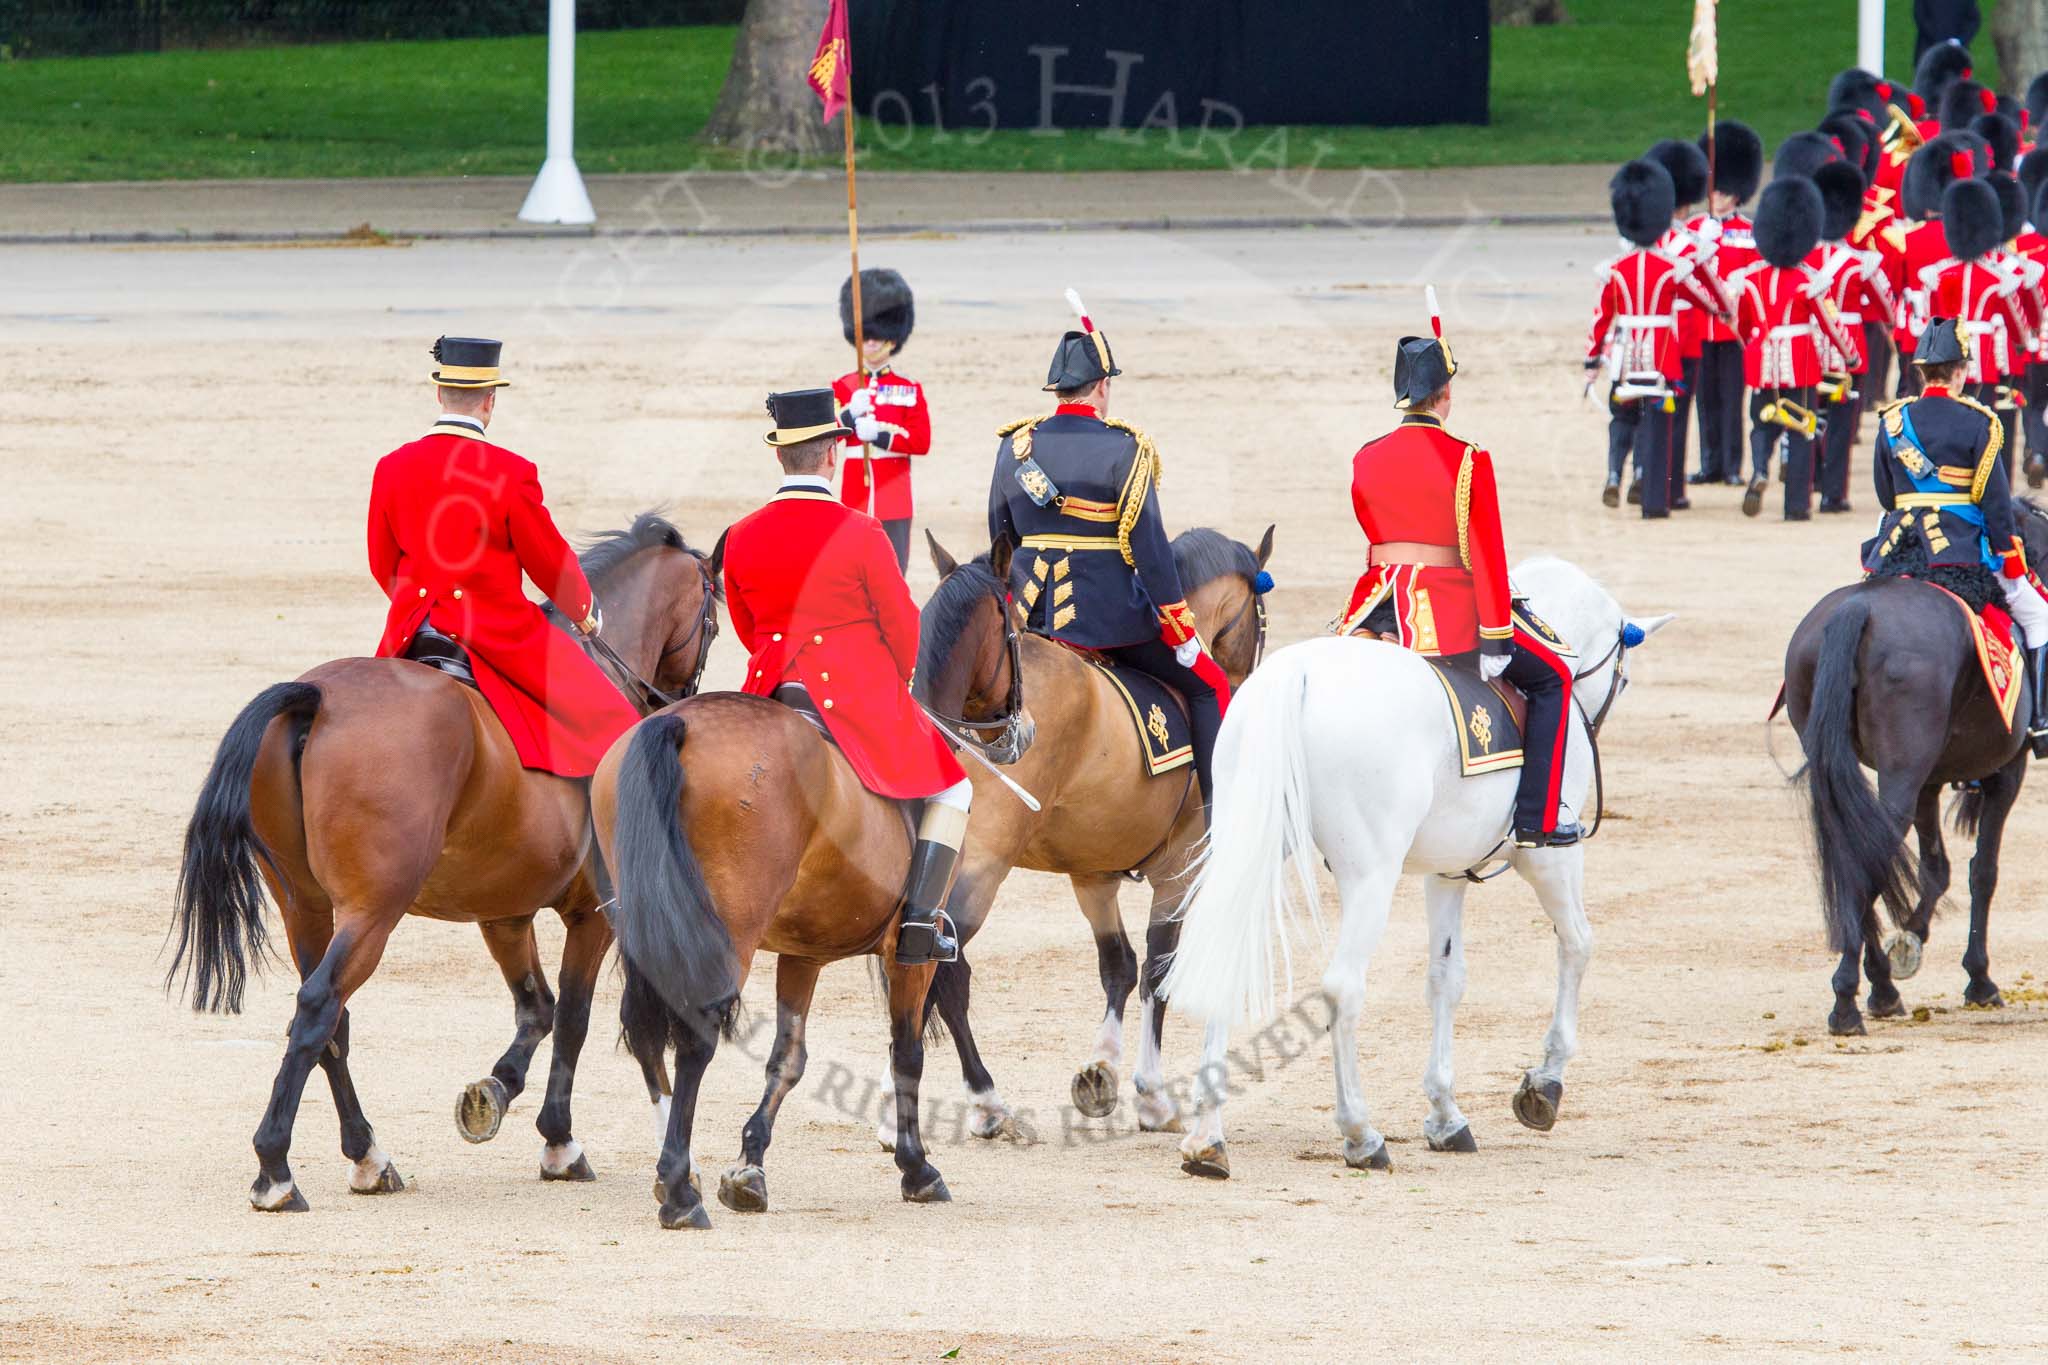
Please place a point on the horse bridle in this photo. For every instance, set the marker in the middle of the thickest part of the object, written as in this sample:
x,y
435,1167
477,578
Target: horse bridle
x,y
644,694
1256,600
1010,742
1617,653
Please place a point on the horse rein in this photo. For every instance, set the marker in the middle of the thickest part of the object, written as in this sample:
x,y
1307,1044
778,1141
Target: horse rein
x,y
1009,744
644,694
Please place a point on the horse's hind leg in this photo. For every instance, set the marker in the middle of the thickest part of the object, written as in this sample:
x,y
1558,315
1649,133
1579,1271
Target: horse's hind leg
x,y
1559,878
1157,1110
744,1188
696,1039
1899,956
483,1103
1368,897
951,991
589,934
1095,1085
2001,789
907,988
1445,1129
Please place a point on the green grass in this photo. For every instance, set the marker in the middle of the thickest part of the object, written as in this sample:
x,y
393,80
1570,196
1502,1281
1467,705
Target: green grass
x,y
1598,89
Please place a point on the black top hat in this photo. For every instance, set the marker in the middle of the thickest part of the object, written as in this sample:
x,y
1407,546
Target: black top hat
x,y
888,311
803,415
1686,164
1422,365
1738,158
468,363
1643,201
1842,188
1082,358
1943,343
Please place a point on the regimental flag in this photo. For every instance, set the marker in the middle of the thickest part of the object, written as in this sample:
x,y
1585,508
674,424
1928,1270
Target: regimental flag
x,y
1702,49
831,74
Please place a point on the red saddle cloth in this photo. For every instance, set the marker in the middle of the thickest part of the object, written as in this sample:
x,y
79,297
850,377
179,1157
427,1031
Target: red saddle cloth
x,y
2004,669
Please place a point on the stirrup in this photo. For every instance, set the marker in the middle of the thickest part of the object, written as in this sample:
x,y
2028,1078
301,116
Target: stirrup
x,y
919,941
1564,836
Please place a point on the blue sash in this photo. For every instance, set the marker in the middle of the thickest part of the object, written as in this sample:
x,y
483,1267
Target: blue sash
x,y
1930,482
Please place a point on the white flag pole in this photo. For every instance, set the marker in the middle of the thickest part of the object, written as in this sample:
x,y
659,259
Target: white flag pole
x,y
558,195
1870,36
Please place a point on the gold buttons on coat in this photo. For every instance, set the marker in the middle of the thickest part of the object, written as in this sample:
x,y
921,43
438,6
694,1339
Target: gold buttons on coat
x,y
423,592
824,677
828,703
757,672
817,639
776,637
458,594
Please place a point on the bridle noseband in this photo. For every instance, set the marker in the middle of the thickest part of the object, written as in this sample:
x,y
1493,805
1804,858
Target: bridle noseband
x,y
645,695
1012,730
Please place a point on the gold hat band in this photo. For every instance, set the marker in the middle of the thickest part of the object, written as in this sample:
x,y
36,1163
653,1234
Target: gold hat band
x,y
790,436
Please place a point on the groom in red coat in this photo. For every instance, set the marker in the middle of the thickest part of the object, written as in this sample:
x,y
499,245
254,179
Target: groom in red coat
x,y
817,599
453,522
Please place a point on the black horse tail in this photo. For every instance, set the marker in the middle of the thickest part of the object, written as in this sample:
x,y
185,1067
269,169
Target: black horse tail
x,y
1862,850
219,915
671,938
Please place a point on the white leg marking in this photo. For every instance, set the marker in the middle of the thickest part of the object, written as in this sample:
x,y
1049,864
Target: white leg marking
x,y
1109,1040
1157,1111
366,1173
1367,899
555,1160
1208,1130
1445,988
987,1115
272,1197
1559,878
661,1111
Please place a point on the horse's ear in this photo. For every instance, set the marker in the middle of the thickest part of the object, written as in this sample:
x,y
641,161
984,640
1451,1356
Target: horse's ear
x,y
941,561
1266,547
1650,625
999,552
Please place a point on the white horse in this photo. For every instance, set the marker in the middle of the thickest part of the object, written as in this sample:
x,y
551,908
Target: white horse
x,y
1345,746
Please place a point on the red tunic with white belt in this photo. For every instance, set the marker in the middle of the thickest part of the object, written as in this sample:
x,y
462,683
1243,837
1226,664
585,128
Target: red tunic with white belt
x,y
1982,299
1735,241
1860,293
815,596
1926,247
1639,298
1782,327
1420,485
453,522
1685,242
877,478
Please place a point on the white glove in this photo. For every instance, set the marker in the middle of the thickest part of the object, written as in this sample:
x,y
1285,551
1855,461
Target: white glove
x,y
1491,666
862,403
1187,651
866,427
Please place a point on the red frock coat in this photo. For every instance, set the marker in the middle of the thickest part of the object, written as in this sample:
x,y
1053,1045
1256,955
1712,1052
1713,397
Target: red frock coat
x,y
1782,327
815,596
453,522
1421,485
1736,236
1639,297
907,430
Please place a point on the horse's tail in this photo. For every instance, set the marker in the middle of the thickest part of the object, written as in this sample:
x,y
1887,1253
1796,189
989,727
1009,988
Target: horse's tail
x,y
219,915
1862,853
1245,893
672,939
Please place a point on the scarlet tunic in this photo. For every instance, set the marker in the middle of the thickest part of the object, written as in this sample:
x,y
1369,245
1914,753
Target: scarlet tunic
x,y
1639,296
1860,293
1982,302
816,598
1926,247
906,431
1688,242
1782,328
453,522
1736,235
1420,485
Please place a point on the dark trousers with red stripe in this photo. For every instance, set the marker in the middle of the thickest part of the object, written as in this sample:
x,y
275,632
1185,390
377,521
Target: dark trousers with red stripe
x,y
1546,681
1763,439
1719,396
1681,427
1205,709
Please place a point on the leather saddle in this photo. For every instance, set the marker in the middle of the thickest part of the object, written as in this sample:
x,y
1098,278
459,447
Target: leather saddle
x,y
435,650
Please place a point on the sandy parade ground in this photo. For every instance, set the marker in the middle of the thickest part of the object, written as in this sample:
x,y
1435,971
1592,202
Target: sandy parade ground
x,y
187,435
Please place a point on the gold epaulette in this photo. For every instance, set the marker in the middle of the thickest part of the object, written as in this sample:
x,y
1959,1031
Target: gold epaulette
x,y
1989,459
1019,433
1464,507
1137,484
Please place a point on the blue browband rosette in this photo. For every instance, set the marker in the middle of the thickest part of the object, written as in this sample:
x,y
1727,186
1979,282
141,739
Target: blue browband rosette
x,y
1632,635
1263,583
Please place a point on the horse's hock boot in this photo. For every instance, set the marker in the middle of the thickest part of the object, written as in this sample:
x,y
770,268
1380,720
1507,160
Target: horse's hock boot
x,y
922,937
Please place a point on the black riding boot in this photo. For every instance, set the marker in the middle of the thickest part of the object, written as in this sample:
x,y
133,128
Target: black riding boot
x,y
922,937
2037,728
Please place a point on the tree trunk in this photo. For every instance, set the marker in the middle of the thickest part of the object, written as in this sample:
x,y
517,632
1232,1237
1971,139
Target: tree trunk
x,y
2020,32
1523,13
767,104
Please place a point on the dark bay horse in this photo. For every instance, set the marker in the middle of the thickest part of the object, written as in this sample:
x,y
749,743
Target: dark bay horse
x,y
1102,818
373,788
1884,674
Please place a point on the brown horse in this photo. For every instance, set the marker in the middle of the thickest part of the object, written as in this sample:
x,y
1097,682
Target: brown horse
x,y
1103,820
733,825
371,788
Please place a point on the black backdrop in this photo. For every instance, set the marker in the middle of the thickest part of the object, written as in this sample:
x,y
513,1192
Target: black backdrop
x,y
968,62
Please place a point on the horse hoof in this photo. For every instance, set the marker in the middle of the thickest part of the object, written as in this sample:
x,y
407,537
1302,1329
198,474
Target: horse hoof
x,y
933,1191
564,1166
481,1109
1094,1090
1903,951
1157,1113
1887,1007
1846,1024
1460,1141
1210,1163
1536,1105
990,1124
1378,1159
1985,997
675,1217
744,1189
375,1175
265,1197
661,1190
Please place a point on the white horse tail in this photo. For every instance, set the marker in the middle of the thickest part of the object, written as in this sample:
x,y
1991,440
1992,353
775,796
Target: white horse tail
x,y
1245,894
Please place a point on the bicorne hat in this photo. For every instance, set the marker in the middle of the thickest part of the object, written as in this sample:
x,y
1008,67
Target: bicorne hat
x,y
1788,221
888,312
468,363
1738,158
1972,223
803,415
1841,188
1643,200
1081,359
1422,365
1686,164
1943,343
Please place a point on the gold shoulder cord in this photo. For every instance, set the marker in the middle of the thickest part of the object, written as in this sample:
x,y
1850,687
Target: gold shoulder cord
x,y
1989,459
1465,509
1019,433
1144,474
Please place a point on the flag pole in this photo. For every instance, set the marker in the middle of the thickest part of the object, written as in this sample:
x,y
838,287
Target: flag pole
x,y
860,354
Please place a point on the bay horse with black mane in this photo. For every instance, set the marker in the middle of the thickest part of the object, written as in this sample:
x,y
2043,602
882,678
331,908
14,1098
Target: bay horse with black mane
x,y
1067,736
372,788
1885,674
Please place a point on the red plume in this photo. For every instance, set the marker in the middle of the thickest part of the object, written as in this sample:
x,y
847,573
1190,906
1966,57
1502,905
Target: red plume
x,y
1963,164
1840,150
1988,99
1884,90
1915,105
1865,115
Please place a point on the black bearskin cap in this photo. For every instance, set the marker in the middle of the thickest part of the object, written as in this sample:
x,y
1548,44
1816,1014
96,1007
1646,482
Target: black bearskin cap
x,y
2039,217
1933,169
1962,103
888,311
2037,102
1788,221
1687,167
1738,158
2012,204
1858,89
1860,142
1971,220
1643,201
1940,65
2033,175
1803,154
1841,188
2003,135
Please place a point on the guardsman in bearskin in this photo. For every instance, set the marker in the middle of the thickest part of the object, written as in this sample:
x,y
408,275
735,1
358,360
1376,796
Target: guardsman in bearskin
x,y
817,598
1783,318
1078,491
1687,166
1932,169
1949,514
2032,245
1973,288
454,521
1639,297
1437,572
1860,291
887,411
1738,168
